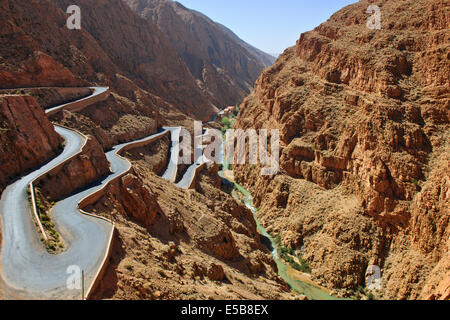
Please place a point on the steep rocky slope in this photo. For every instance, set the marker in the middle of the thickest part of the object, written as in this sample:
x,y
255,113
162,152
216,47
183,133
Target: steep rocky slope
x,y
218,254
178,244
86,168
224,66
48,97
364,122
115,47
27,138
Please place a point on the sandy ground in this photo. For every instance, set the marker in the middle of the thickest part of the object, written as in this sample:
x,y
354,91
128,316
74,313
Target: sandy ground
x,y
229,175
304,277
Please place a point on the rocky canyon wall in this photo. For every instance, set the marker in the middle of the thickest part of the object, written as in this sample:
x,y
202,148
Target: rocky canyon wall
x,y
27,138
85,168
150,84
223,65
364,122
177,244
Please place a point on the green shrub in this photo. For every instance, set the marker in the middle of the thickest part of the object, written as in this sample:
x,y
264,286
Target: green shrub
x,y
61,145
296,266
277,239
304,265
226,122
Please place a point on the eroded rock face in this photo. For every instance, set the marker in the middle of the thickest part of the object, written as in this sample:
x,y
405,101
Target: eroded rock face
x,y
364,115
196,245
134,58
39,68
155,155
27,138
216,272
220,243
130,198
75,174
420,265
224,65
138,201
55,96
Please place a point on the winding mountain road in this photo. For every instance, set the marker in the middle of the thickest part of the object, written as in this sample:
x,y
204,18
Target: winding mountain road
x,y
189,177
98,94
28,270
188,180
172,168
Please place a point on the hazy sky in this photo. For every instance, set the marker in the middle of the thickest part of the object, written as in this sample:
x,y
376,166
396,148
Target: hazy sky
x,y
270,25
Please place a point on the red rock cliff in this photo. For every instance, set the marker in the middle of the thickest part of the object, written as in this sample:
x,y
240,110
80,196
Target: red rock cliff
x,y
76,173
224,65
364,122
115,48
27,138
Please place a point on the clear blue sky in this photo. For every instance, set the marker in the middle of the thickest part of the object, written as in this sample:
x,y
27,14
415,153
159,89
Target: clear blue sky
x,y
270,25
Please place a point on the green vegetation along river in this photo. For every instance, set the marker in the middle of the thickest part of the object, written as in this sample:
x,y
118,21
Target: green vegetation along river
x,y
307,289
311,291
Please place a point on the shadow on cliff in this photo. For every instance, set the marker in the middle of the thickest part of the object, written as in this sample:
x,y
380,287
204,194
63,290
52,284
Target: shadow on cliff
x,y
108,286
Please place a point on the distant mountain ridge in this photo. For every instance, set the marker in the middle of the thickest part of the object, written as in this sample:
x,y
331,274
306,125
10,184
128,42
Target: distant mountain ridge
x,y
266,59
224,66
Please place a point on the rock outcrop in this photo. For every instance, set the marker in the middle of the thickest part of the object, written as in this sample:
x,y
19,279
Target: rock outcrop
x,y
55,96
114,48
155,155
364,125
39,69
225,66
130,198
27,138
76,173
177,244
216,272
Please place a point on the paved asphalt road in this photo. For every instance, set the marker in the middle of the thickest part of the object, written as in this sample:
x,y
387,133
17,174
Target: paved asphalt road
x,y
172,168
28,269
26,265
96,91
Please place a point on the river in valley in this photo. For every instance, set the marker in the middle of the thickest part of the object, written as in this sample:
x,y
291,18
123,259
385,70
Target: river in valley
x,y
286,272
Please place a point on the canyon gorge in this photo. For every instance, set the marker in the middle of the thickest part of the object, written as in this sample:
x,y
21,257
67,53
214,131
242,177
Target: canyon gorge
x,y
364,122
363,117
